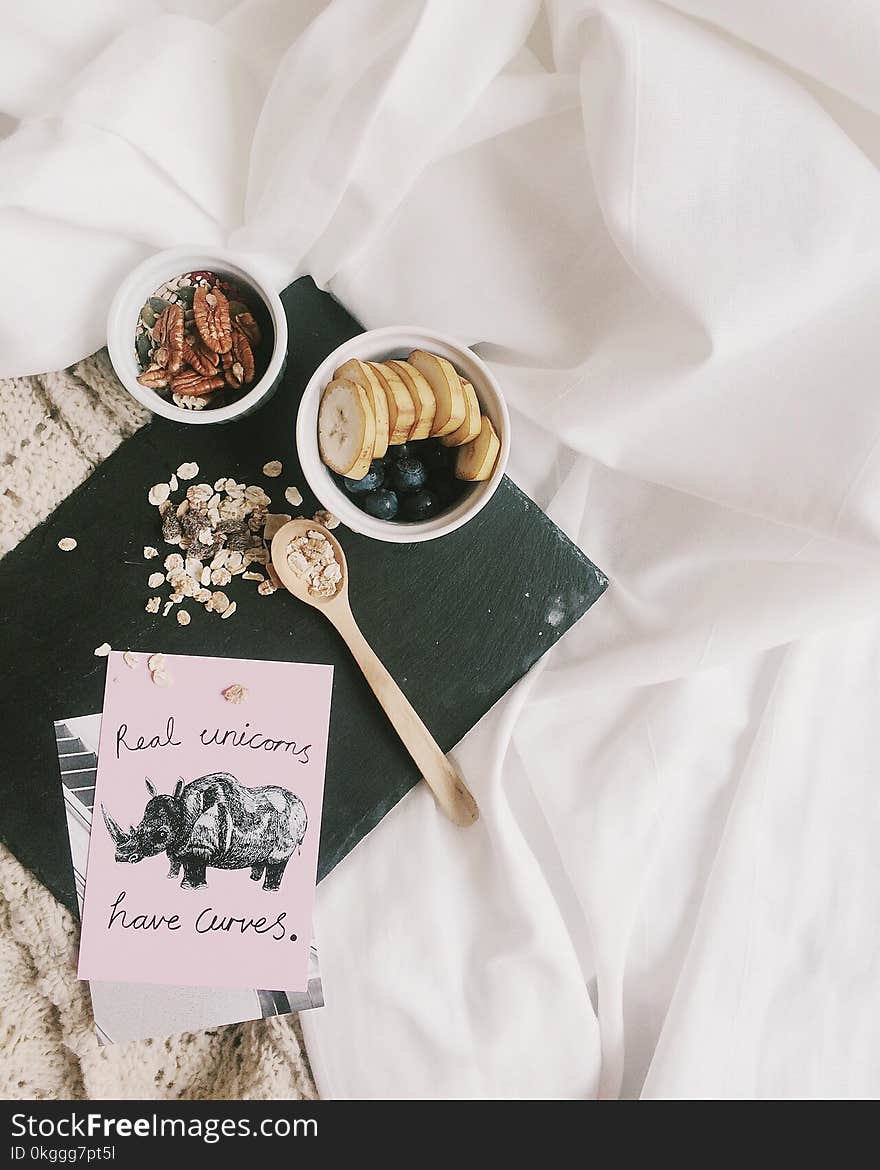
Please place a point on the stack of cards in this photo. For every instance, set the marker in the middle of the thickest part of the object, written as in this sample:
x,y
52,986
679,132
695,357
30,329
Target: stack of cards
x,y
197,797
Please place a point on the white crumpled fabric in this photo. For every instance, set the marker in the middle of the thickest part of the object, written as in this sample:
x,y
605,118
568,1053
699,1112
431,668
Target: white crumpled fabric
x,y
660,222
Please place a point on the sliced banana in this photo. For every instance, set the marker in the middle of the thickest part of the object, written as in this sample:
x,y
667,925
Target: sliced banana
x,y
346,428
360,373
446,384
470,428
476,460
401,411
423,398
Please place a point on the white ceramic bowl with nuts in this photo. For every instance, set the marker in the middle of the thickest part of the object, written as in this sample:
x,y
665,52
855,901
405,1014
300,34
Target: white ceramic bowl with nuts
x,y
125,323
382,345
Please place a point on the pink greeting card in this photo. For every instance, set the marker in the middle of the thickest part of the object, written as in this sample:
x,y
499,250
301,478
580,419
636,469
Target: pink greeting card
x,y
207,817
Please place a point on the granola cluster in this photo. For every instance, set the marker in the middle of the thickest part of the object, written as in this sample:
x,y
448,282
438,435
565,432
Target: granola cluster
x,y
221,530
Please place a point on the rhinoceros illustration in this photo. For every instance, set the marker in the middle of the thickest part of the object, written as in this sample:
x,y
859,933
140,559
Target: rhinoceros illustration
x,y
216,821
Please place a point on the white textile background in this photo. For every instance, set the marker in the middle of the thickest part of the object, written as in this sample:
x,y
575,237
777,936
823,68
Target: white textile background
x,y
660,223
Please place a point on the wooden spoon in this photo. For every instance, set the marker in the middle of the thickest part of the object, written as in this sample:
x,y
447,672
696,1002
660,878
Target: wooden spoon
x,y
443,780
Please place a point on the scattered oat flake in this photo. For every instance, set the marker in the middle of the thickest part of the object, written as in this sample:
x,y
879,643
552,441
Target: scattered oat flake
x,y
183,617
266,589
153,604
219,602
256,496
156,662
130,659
322,516
150,552
253,577
161,678
173,484
167,606
173,562
235,694
67,544
293,496
272,469
103,650
159,493
188,470
155,580
199,493
228,612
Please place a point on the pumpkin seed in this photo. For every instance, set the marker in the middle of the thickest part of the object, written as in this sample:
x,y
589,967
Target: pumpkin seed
x,y
158,305
148,316
144,347
185,294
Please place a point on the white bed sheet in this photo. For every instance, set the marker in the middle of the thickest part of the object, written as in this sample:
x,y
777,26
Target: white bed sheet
x,y
659,223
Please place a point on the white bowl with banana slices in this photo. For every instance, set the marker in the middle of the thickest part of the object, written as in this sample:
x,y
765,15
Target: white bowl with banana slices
x,y
407,390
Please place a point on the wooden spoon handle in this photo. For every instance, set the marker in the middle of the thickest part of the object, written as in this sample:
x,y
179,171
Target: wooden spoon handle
x,y
441,777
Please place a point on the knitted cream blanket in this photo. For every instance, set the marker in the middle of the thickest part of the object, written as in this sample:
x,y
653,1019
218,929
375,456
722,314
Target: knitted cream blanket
x,y
54,430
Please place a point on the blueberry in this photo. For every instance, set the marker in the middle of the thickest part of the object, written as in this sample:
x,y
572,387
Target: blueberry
x,y
371,480
409,475
444,484
381,503
420,506
435,455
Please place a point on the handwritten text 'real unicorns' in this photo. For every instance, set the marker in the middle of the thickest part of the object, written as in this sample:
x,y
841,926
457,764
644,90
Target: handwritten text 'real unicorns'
x,y
244,737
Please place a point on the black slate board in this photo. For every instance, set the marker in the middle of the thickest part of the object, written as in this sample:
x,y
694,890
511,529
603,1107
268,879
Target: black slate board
x,y
457,620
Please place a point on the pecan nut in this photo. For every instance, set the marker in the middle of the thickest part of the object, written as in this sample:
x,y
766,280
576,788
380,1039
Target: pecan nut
x,y
249,327
192,383
211,314
227,360
168,336
154,377
233,372
202,360
244,355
